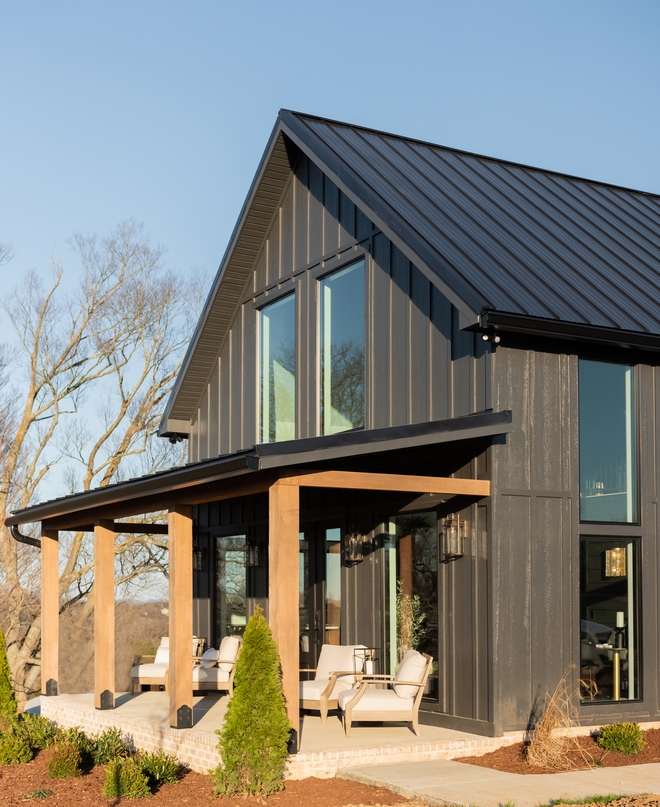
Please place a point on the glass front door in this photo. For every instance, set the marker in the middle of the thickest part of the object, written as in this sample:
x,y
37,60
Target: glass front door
x,y
230,590
411,591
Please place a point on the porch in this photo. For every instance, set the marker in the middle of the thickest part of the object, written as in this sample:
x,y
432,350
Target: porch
x,y
323,750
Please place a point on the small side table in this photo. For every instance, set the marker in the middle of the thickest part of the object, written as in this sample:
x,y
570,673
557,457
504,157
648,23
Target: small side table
x,y
617,652
370,660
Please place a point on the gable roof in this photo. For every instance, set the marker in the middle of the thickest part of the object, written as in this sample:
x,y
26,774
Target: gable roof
x,y
513,247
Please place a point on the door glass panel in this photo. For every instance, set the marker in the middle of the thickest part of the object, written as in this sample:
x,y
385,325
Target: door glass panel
x,y
230,592
607,442
609,630
277,325
306,638
333,586
411,592
342,349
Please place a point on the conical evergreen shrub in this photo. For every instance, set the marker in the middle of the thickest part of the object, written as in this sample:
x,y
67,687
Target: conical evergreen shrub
x,y
7,697
253,740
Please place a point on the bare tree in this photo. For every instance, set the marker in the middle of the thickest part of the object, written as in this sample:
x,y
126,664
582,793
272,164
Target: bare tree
x,y
117,339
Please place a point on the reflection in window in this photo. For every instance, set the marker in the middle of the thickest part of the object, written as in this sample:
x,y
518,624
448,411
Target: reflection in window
x,y
607,442
333,586
278,370
609,646
411,591
342,349
230,601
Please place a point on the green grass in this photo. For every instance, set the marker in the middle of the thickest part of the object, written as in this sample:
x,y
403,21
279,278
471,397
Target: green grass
x,y
42,793
605,799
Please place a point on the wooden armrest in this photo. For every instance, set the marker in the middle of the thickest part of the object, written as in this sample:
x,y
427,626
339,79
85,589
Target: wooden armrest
x,y
137,660
344,672
306,669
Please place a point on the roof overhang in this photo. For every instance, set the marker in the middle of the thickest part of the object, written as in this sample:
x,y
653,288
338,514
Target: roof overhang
x,y
252,471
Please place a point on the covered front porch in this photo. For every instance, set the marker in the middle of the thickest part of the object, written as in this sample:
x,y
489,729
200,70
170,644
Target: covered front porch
x,y
349,462
323,750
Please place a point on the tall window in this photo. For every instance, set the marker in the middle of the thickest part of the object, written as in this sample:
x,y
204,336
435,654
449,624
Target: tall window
x,y
608,476
609,630
278,370
342,349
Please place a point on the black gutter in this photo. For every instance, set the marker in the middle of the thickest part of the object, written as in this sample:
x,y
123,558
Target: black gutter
x,y
23,539
497,321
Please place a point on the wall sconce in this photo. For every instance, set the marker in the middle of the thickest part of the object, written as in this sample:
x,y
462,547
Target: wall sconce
x,y
252,555
198,558
354,546
615,562
453,537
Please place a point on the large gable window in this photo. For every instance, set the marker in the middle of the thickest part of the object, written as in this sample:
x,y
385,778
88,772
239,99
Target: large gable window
x,y
342,349
608,465
277,328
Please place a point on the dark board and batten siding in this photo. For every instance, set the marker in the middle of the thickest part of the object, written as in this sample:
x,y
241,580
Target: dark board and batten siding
x,y
535,537
419,365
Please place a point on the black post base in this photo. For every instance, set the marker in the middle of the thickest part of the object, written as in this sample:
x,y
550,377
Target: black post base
x,y
107,700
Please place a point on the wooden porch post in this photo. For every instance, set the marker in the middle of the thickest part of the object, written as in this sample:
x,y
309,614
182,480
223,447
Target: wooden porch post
x,y
283,585
104,615
50,611
181,626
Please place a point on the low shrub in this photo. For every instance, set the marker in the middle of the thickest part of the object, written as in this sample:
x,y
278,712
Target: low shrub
x,y
85,745
160,768
40,732
65,762
7,697
125,777
109,744
627,738
14,749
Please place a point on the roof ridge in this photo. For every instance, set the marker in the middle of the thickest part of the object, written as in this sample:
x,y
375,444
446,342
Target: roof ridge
x,y
464,152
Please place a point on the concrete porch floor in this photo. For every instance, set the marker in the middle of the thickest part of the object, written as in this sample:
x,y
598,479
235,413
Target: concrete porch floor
x,y
323,749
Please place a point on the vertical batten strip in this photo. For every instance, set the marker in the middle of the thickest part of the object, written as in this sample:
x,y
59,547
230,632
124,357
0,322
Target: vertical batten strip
x,y
181,623
104,615
283,588
50,611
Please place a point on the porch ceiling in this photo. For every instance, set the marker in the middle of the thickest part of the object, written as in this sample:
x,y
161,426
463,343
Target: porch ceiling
x,y
255,470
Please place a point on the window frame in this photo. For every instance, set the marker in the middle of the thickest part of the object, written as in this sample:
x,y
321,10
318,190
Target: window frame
x,y
619,526
282,294
328,269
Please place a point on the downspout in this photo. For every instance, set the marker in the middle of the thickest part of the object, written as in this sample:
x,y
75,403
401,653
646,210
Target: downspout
x,y
24,539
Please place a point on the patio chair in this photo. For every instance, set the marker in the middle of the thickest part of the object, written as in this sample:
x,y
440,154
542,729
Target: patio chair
x,y
215,670
337,670
154,672
400,703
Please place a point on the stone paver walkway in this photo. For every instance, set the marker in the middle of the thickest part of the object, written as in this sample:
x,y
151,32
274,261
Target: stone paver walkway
x,y
447,782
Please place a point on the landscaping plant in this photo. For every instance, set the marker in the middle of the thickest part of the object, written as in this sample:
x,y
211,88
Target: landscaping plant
x,y
125,777
14,749
109,745
627,738
85,745
65,762
39,731
160,768
7,697
253,741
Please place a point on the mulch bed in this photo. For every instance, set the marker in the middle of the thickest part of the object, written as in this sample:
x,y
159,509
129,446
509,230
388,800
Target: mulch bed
x,y
511,758
18,781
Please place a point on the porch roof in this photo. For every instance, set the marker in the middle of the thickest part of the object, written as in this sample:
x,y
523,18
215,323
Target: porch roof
x,y
249,471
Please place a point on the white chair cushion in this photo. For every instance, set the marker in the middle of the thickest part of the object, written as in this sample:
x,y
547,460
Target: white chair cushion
x,y
162,655
411,669
311,690
375,700
165,641
229,648
149,670
209,675
339,657
209,658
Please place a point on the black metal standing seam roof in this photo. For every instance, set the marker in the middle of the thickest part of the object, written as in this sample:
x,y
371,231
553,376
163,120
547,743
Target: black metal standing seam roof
x,y
504,236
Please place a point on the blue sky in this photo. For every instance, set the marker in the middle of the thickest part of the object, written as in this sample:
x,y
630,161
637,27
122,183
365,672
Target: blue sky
x,y
160,110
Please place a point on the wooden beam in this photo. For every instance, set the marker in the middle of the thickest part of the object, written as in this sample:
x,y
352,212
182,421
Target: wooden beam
x,y
104,615
50,611
283,586
393,482
181,623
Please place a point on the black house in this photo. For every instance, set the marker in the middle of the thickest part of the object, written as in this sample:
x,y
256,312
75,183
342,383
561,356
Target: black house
x,y
421,373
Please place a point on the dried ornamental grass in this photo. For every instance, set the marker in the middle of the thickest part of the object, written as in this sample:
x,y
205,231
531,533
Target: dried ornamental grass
x,y
548,747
